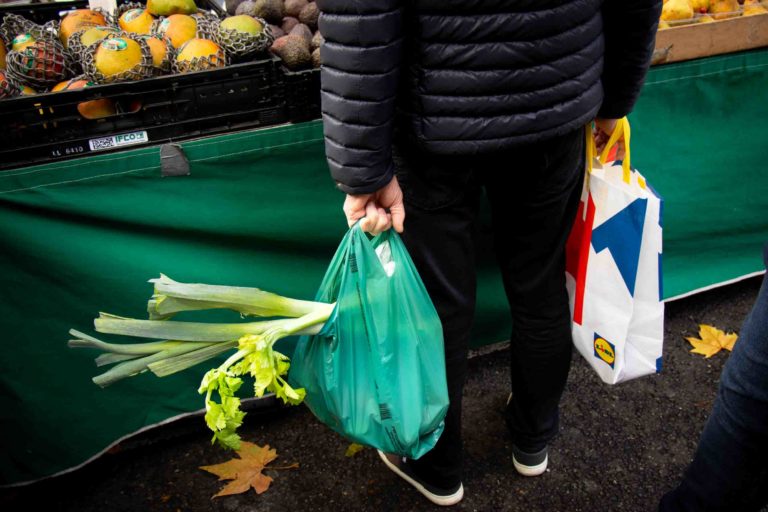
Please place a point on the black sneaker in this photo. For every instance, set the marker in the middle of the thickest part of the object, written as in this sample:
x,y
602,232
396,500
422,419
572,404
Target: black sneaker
x,y
529,464
438,496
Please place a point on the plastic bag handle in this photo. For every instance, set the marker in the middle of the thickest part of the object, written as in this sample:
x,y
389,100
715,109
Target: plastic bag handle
x,y
622,131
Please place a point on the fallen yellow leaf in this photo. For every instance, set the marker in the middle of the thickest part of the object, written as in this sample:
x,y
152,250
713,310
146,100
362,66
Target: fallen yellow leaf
x,y
246,472
711,340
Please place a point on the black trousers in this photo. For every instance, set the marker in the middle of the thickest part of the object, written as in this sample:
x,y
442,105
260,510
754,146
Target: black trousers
x,y
534,194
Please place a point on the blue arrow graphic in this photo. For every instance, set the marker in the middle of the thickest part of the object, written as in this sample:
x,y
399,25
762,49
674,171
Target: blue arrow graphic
x,y
622,235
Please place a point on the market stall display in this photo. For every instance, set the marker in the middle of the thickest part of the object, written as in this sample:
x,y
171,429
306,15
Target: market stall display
x,y
690,29
243,75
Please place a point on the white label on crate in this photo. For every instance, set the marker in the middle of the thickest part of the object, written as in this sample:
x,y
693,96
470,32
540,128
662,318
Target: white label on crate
x,y
116,141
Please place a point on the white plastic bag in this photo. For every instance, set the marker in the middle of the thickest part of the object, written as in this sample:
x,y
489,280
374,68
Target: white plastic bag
x,y
613,271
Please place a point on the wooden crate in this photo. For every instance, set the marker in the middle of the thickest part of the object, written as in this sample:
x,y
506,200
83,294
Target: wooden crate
x,y
704,39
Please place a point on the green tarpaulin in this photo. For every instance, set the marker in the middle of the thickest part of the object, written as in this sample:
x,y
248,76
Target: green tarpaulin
x,y
259,209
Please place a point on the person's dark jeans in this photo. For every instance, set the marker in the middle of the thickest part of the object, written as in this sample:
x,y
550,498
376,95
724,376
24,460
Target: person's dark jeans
x,y
729,471
534,194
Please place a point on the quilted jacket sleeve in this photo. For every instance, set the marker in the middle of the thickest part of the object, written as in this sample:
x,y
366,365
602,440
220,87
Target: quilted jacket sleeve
x,y
359,74
630,33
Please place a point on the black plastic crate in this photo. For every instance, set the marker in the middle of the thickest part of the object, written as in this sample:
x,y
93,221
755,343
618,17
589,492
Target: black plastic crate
x,y
302,93
166,108
49,126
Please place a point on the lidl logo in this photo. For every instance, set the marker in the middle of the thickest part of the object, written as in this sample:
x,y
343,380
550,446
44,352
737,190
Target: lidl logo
x,y
605,350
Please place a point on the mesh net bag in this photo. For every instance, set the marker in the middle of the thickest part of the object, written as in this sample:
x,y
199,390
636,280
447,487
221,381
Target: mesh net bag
x,y
201,63
207,25
202,30
76,47
142,69
39,65
240,44
14,26
8,87
166,65
82,26
114,19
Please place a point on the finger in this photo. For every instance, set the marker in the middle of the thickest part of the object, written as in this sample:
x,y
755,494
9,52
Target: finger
x,y
356,201
384,222
354,207
371,217
397,211
352,211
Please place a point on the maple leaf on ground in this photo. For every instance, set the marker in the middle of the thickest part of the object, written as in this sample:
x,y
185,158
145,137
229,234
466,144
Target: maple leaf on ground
x,y
711,340
246,472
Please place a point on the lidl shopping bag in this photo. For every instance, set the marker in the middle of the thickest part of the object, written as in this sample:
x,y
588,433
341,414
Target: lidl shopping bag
x,y
614,268
376,371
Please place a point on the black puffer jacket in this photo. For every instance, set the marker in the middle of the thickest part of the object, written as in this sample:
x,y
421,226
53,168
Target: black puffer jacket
x,y
472,76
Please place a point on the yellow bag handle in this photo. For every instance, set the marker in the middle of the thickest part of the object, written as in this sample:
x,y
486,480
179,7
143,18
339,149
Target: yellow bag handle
x,y
591,148
622,131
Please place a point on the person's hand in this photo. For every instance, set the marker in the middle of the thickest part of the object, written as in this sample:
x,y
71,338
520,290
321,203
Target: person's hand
x,y
603,130
382,209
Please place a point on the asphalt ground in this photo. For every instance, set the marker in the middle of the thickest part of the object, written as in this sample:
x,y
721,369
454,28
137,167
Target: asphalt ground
x,y
619,448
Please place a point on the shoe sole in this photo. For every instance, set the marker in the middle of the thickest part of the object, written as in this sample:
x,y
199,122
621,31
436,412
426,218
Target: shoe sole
x,y
443,501
530,470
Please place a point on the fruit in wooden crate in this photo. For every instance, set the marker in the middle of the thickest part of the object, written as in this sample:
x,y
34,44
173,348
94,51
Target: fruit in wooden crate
x,y
178,29
243,35
752,7
723,9
198,55
78,20
21,41
705,19
28,91
294,7
293,50
136,21
309,15
675,10
700,6
169,7
93,109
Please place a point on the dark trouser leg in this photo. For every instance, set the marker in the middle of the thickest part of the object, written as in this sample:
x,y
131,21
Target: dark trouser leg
x,y
729,471
534,203
440,205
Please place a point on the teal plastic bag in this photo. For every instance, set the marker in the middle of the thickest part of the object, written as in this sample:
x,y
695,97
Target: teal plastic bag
x,y
375,373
